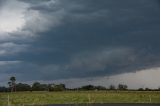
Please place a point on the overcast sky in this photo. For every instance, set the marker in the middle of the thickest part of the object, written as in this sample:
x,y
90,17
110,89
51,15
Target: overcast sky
x,y
79,42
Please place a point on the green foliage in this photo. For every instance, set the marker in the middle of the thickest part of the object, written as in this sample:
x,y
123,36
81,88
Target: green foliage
x,y
12,83
59,87
92,87
148,89
140,89
122,87
112,87
23,87
39,87
47,87
88,87
100,88
13,79
3,89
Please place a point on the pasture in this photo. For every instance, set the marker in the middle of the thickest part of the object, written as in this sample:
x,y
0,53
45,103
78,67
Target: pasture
x,y
77,97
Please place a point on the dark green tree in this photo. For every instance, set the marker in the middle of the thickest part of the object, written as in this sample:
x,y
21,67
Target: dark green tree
x,y
112,87
12,83
36,86
140,89
23,87
88,87
100,88
148,89
59,87
3,89
122,87
40,87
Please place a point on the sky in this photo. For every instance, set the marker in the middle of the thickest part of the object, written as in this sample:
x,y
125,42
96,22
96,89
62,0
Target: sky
x,y
80,42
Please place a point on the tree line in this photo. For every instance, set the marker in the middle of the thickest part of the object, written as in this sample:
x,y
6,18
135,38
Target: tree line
x,y
37,86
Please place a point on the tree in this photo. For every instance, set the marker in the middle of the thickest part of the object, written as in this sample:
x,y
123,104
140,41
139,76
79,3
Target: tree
x,y
3,89
12,83
51,87
112,87
122,87
40,87
140,89
10,86
60,87
100,88
36,86
147,89
23,87
88,87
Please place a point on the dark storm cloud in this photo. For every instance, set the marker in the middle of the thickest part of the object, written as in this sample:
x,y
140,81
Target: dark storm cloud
x,y
2,2
158,1
34,1
94,38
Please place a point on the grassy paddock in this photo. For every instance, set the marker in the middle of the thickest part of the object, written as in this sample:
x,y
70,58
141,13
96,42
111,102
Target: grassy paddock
x,y
69,97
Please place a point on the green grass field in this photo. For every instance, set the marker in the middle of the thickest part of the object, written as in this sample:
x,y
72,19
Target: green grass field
x,y
32,98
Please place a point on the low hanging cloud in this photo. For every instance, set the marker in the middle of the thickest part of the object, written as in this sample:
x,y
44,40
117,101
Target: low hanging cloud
x,y
101,61
133,80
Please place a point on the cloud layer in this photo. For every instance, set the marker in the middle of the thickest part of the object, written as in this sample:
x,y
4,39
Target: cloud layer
x,y
67,39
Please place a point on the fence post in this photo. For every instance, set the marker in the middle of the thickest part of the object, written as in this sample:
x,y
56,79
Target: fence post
x,y
150,99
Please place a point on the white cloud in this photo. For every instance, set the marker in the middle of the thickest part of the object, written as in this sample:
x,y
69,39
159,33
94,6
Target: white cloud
x,y
37,21
18,17
12,16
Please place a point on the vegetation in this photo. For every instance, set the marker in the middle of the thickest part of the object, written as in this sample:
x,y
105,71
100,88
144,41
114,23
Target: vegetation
x,y
38,93
37,86
122,87
112,87
23,87
12,84
74,97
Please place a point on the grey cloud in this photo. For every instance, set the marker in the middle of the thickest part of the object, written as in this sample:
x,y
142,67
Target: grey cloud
x,y
34,1
89,38
101,59
88,64
2,2
10,48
